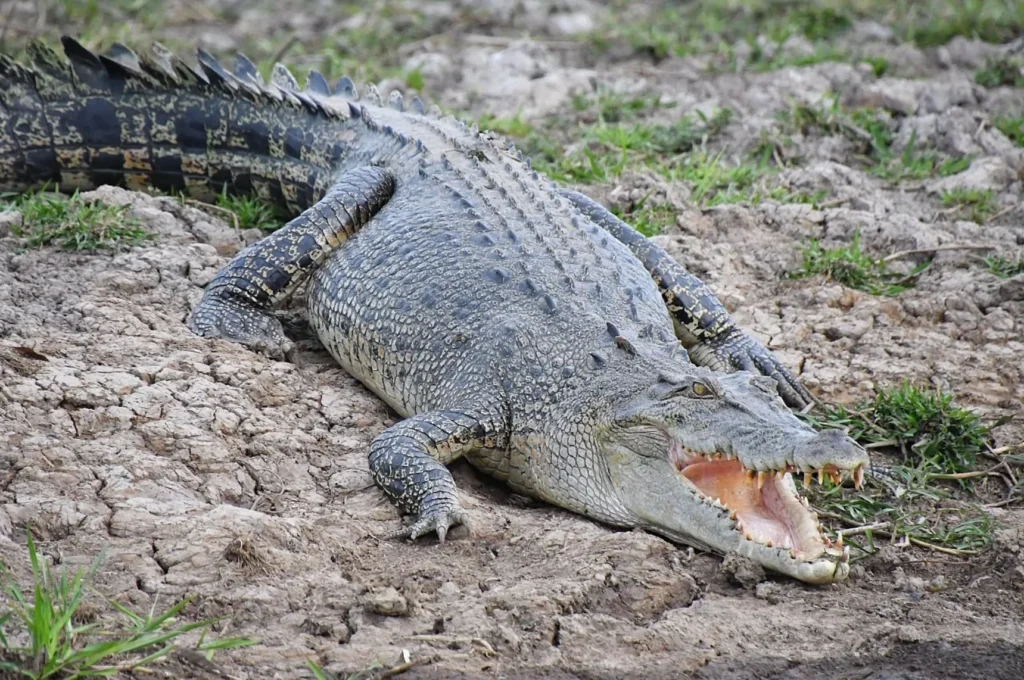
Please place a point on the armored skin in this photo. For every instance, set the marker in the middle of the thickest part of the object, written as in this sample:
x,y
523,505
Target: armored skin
x,y
509,321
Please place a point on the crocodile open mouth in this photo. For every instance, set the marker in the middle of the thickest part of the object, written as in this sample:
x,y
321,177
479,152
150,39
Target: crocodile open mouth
x,y
765,505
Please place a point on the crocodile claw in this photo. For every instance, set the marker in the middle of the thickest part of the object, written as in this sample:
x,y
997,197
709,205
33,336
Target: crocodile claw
x,y
438,518
256,329
738,351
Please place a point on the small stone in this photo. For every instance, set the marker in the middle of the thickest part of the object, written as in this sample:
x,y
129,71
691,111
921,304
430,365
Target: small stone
x,y
743,571
768,591
9,221
222,237
893,94
448,589
386,602
984,174
908,634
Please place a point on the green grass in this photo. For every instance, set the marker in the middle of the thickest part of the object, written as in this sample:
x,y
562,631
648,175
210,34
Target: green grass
x,y
935,22
852,267
1005,267
980,204
604,151
59,645
714,27
872,130
510,127
251,212
933,434
73,223
1001,71
879,65
650,220
613,107
925,515
1012,127
940,446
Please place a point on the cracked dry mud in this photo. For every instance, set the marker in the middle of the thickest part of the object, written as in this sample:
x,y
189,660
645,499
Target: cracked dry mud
x,y
206,470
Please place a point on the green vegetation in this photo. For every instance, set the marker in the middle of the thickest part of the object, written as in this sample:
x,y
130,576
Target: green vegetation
x,y
1005,267
607,150
613,107
853,268
940,445
932,433
1012,127
980,204
59,645
879,65
873,131
510,127
1001,71
650,220
714,27
250,212
73,223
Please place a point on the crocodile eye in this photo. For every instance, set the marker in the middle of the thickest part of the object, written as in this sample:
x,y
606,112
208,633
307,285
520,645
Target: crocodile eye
x,y
699,389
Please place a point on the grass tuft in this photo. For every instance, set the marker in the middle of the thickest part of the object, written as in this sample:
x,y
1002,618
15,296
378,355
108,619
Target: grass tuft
x,y
72,223
1001,71
57,646
510,127
940,444
1005,267
1012,127
980,203
252,212
853,268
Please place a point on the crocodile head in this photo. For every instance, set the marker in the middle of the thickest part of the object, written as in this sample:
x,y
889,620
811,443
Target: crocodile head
x,y
709,460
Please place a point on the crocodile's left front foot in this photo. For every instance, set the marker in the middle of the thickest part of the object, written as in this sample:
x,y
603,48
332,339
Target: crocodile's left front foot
x,y
737,351
257,329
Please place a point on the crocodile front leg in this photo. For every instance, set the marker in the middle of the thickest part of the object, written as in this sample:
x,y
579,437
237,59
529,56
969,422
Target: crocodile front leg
x,y
702,324
408,463
238,303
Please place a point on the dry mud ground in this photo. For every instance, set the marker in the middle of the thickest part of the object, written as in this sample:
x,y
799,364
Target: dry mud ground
x,y
206,470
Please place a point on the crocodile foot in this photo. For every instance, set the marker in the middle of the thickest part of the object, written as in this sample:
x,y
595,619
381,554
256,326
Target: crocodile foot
x,y
256,329
438,516
737,351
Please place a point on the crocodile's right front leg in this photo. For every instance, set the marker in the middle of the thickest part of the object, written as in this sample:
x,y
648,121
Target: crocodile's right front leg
x,y
238,303
408,464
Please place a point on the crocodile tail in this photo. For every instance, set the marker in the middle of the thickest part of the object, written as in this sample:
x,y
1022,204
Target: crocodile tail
x,y
82,120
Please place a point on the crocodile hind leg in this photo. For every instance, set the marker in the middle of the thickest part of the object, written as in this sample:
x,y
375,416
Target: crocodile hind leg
x,y
238,303
702,324
408,463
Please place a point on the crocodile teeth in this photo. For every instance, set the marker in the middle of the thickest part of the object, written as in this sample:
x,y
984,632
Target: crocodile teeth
x,y
821,476
858,477
808,480
839,541
761,477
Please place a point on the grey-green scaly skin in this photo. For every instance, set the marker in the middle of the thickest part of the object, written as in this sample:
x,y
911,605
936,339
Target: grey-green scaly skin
x,y
509,321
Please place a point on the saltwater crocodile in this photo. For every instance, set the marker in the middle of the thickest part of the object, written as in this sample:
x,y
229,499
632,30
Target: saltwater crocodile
x,y
509,321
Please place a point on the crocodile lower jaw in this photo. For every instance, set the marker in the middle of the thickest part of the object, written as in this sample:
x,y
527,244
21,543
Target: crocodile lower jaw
x,y
776,524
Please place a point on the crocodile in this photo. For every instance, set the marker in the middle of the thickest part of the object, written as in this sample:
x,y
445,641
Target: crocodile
x,y
509,321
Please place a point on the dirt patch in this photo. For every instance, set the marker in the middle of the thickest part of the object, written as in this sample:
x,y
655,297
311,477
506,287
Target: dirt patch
x,y
206,470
